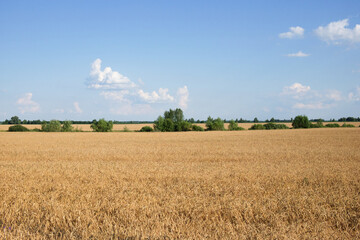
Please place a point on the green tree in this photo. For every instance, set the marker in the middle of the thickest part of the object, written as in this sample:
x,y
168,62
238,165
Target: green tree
x,y
173,120
15,120
256,120
233,126
67,127
214,125
52,126
169,125
159,124
102,126
301,121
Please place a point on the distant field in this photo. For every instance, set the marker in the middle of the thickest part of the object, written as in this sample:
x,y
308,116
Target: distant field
x,y
281,184
134,127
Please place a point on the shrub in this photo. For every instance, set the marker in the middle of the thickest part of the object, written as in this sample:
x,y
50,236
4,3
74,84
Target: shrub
x,y
347,125
197,128
257,127
67,127
18,128
126,129
214,125
102,126
146,129
318,124
271,125
233,126
184,126
332,125
52,126
301,122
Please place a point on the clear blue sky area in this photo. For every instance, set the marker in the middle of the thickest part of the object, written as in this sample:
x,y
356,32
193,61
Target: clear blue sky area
x,y
132,60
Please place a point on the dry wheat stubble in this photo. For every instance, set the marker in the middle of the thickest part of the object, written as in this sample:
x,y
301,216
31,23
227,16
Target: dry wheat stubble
x,y
235,185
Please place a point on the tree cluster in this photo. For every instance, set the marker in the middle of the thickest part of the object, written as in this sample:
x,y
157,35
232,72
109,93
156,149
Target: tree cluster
x,y
55,126
102,125
172,121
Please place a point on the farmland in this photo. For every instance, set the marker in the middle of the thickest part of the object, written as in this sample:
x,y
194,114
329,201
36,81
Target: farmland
x,y
283,184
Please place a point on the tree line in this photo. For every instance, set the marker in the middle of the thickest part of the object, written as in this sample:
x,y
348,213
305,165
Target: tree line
x,y
17,120
174,121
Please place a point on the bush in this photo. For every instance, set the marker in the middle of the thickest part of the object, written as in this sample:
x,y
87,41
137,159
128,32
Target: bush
x,y
184,126
18,128
332,125
269,126
52,126
214,125
347,125
102,126
257,127
146,129
197,128
126,129
67,127
301,122
318,124
233,126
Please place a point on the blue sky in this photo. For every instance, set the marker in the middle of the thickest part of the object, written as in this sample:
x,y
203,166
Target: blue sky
x,y
132,60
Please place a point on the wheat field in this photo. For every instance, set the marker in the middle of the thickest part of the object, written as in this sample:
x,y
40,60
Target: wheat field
x,y
281,184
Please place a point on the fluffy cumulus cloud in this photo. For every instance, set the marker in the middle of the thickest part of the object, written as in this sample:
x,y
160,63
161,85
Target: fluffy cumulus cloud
x,y
161,96
338,32
183,95
107,78
296,90
129,97
27,105
77,107
298,54
295,32
299,96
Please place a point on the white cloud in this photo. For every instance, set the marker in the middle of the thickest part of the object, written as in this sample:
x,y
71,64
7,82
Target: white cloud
x,y
297,90
161,96
107,79
77,107
295,32
298,54
27,105
334,95
337,32
127,94
354,96
183,94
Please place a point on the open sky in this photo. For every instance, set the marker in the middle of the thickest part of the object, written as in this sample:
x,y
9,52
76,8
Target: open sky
x,y
132,60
